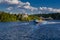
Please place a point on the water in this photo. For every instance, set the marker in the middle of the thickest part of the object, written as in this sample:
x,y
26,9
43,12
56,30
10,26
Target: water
x,y
49,30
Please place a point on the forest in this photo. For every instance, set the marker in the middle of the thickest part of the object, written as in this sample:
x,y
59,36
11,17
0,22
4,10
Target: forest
x,y
7,17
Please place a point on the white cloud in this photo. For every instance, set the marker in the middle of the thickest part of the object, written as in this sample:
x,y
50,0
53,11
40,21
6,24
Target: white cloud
x,y
1,1
20,4
30,7
9,1
24,5
27,5
40,12
43,8
49,9
9,8
56,10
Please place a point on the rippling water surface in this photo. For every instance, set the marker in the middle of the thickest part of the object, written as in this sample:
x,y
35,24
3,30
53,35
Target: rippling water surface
x,y
49,30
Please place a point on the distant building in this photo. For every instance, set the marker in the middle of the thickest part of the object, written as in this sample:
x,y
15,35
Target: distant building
x,y
42,18
49,18
25,15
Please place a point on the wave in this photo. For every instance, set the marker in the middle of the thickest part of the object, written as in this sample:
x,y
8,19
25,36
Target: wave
x,y
47,22
33,23
53,22
44,22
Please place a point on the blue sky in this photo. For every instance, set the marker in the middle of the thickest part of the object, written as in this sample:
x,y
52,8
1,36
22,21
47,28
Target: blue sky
x,y
30,6
46,3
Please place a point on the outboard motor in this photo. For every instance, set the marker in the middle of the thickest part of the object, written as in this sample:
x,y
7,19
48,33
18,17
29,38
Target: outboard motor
x,y
34,21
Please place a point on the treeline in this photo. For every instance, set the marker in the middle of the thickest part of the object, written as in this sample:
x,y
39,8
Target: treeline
x,y
7,17
55,16
21,17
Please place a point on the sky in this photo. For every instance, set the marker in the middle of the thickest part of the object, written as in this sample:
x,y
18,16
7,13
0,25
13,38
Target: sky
x,y
30,6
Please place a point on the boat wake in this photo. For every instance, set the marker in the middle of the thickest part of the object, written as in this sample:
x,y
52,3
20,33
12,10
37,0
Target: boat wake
x,y
53,22
47,22
42,23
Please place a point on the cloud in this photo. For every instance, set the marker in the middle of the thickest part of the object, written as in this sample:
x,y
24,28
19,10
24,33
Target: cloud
x,y
43,8
28,3
26,6
9,1
30,8
49,9
9,8
18,5
56,10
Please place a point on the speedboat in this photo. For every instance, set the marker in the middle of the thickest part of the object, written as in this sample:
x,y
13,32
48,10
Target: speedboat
x,y
40,22
36,21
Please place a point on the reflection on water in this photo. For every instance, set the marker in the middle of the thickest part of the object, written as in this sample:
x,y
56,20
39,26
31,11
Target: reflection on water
x,y
49,30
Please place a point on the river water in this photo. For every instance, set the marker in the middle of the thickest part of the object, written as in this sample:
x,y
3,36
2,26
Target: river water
x,y
49,30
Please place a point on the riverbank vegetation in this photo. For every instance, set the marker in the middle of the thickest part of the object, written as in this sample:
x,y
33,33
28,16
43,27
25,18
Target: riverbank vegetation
x,y
7,17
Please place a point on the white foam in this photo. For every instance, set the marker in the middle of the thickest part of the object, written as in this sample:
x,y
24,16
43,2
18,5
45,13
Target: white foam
x,y
53,22
24,24
46,22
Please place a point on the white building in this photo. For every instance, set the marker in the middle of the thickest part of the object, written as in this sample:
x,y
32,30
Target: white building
x,y
25,15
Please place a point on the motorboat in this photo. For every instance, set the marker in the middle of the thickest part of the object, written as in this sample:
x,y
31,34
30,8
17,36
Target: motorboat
x,y
40,21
